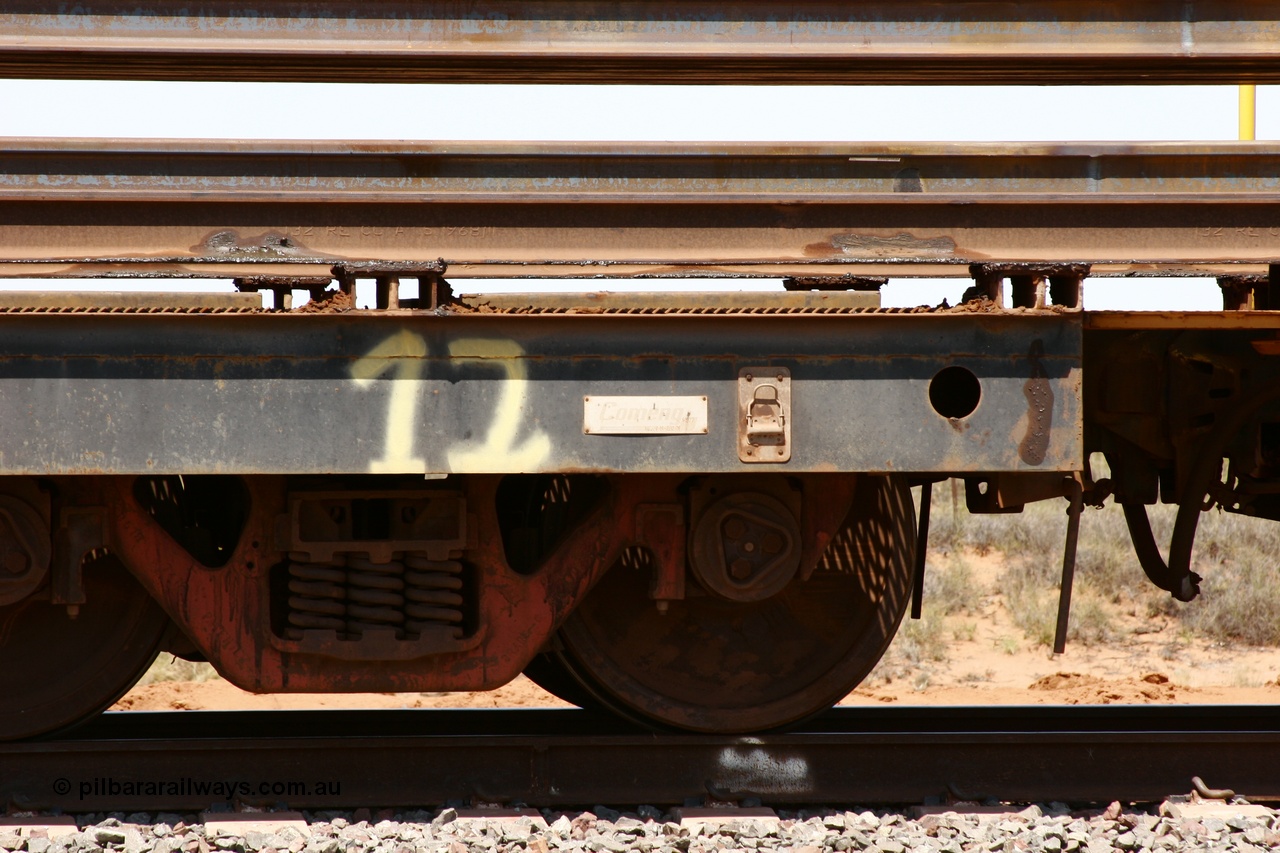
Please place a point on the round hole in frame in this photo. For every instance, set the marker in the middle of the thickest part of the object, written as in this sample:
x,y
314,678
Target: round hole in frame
x,y
955,392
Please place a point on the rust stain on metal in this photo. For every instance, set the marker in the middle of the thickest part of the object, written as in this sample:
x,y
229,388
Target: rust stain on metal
x,y
1039,393
229,242
908,181
330,302
483,306
900,245
1156,320
125,302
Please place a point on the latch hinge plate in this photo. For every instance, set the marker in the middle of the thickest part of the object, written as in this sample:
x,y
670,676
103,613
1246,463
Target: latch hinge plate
x,y
764,414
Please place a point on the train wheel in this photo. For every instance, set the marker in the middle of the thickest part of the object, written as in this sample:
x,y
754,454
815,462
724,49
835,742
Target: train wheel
x,y
56,671
716,665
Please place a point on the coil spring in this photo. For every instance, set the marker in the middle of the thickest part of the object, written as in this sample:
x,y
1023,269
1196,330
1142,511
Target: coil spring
x,y
317,597
636,557
434,594
375,595
557,491
352,594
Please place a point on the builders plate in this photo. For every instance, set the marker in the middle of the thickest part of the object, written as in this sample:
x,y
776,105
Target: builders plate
x,y
644,415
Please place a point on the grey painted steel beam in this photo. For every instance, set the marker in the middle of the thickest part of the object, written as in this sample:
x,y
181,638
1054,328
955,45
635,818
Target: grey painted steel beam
x,y
641,41
88,207
423,393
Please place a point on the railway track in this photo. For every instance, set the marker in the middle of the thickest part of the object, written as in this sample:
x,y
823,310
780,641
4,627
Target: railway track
x,y
155,761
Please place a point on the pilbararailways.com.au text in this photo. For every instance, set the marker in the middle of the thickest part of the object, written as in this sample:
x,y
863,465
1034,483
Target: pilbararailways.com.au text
x,y
225,789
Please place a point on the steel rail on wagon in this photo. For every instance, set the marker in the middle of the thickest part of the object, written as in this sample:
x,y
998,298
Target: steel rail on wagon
x,y
692,41
90,207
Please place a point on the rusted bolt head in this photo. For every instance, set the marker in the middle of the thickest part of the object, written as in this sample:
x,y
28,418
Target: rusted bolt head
x,y
772,543
734,528
741,569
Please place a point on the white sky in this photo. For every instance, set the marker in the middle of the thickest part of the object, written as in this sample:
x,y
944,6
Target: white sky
x,y
698,113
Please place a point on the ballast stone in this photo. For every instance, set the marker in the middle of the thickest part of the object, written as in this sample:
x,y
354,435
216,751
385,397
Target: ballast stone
x,y
816,831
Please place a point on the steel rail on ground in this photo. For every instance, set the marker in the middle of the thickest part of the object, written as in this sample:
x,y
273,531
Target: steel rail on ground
x,y
149,761
640,41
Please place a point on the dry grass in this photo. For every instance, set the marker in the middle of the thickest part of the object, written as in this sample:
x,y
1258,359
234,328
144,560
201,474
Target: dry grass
x,y
1240,596
918,646
1090,623
170,668
950,587
950,592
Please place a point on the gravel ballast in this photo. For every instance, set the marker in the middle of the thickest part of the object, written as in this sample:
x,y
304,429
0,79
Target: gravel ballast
x,y
1052,829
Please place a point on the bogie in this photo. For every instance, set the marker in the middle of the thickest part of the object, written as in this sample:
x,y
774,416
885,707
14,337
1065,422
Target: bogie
x,y
784,589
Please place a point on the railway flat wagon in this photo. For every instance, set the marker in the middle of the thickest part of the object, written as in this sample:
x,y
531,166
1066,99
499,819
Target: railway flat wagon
x,y
693,509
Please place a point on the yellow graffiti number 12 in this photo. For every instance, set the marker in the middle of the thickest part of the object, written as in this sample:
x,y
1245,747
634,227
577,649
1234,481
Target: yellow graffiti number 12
x,y
401,355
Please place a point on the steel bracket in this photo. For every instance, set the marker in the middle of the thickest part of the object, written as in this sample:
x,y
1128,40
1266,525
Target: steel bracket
x,y
322,524
81,531
1004,492
661,529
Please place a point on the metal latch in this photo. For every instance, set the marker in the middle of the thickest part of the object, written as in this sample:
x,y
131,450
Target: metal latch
x,y
766,422
764,414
